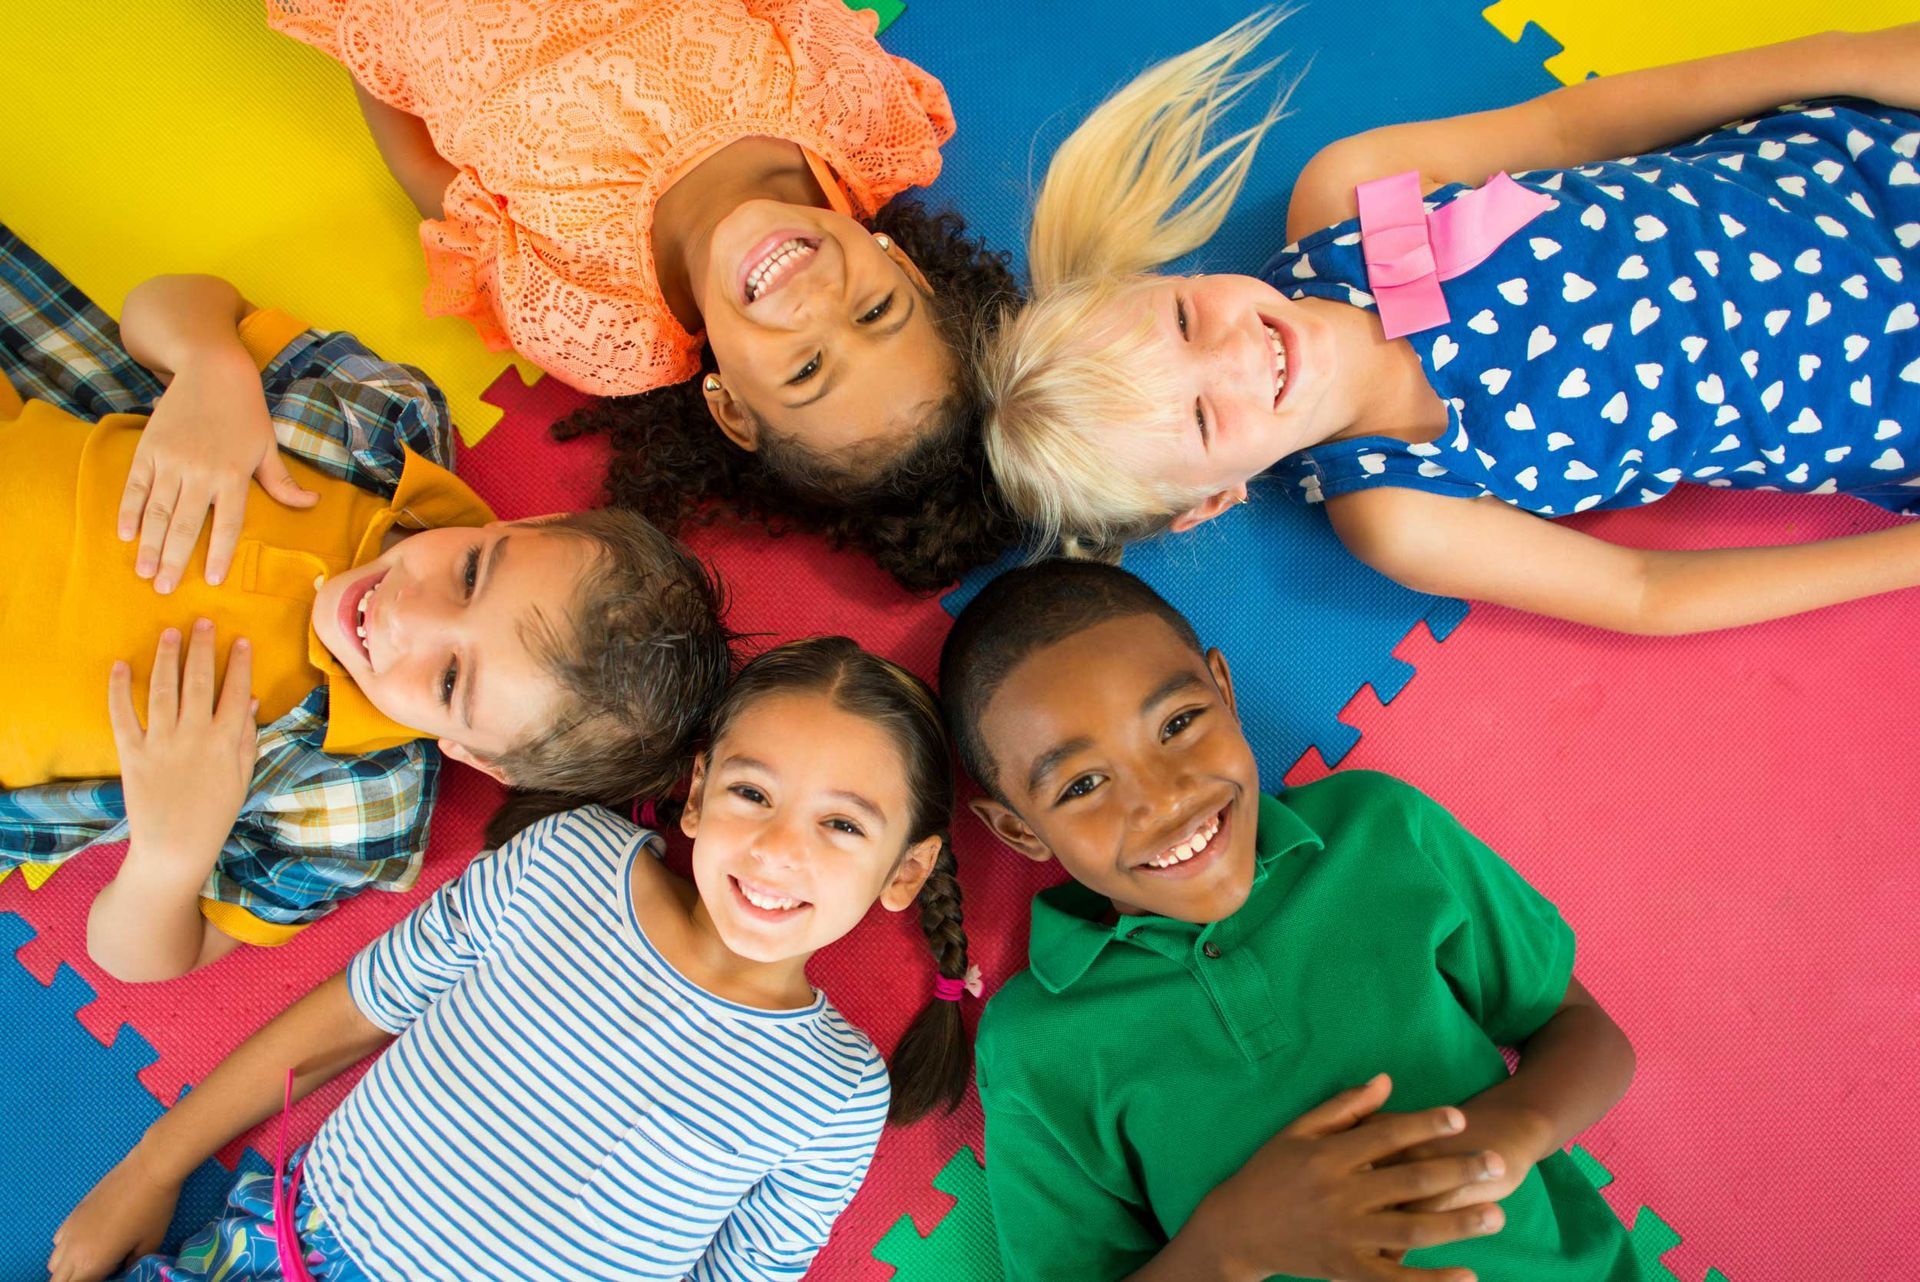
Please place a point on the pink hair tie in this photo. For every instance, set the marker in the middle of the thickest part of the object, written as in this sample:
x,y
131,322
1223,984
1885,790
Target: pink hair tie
x,y
950,990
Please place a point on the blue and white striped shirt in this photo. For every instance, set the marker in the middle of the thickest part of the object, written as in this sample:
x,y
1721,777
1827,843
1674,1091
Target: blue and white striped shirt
x,y
562,1103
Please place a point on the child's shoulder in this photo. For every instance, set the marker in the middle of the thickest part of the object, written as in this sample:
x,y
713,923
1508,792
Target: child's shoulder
x,y
1327,804
584,835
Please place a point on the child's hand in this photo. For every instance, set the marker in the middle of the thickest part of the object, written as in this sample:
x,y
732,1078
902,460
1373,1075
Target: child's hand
x,y
1516,1136
1321,1200
187,773
208,435
123,1218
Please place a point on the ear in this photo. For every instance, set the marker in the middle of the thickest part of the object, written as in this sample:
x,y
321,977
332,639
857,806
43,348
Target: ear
x,y
730,415
690,817
1209,507
468,757
911,873
1011,829
911,269
1217,664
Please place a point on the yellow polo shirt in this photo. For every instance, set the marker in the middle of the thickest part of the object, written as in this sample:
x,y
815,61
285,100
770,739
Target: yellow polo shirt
x,y
70,603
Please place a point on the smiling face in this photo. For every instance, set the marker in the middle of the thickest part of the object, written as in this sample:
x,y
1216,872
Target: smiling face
x,y
1118,752
437,631
820,334
800,817
1244,372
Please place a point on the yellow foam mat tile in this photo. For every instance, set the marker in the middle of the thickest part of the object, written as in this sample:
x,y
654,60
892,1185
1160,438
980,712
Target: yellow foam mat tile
x,y
1625,35
185,136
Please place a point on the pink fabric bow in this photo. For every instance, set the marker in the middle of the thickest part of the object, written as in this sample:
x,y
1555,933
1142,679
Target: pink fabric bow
x,y
1409,251
949,990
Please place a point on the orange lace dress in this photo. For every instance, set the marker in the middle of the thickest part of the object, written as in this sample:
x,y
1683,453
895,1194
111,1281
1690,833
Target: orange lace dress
x,y
567,119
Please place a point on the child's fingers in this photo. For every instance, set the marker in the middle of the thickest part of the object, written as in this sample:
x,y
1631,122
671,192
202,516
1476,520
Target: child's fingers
x,y
1411,1182
133,499
1408,1231
183,531
229,510
1341,1111
276,480
163,686
236,691
127,730
1382,1136
163,498
196,692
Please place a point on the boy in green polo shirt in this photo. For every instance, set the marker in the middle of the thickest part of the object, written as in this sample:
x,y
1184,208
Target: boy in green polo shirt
x,y
1224,959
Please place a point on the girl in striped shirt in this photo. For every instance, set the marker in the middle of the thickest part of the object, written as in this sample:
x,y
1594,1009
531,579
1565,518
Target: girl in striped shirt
x,y
594,1068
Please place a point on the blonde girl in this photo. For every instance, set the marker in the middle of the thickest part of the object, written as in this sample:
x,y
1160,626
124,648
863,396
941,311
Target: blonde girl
x,y
1446,354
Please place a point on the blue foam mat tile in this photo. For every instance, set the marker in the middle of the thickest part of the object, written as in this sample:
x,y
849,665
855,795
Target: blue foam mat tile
x,y
1021,75
69,1109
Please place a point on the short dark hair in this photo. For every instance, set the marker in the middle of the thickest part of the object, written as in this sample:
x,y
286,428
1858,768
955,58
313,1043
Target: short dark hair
x,y
926,510
642,658
1022,611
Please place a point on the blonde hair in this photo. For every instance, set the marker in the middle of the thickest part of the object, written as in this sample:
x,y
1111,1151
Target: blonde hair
x,y
1063,385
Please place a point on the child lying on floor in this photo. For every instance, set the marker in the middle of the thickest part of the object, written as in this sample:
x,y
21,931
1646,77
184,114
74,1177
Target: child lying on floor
x,y
371,610
1223,958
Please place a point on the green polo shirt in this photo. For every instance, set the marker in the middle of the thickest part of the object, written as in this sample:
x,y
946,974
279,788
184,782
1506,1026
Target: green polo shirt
x,y
1136,1065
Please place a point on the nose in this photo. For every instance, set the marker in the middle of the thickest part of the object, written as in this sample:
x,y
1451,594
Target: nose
x,y
1164,793
777,843
418,616
1238,356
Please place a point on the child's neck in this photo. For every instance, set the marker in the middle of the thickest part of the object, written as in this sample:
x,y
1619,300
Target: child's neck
x,y
1382,389
687,212
683,931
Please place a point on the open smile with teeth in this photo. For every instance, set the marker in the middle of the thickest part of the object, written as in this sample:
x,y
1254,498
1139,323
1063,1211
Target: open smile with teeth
x,y
1182,851
772,271
360,619
1279,348
765,900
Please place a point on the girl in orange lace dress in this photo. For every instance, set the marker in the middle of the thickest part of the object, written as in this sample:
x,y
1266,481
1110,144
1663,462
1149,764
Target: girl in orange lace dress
x,y
692,196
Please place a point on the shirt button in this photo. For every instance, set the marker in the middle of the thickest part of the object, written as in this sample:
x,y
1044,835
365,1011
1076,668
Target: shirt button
x,y
1134,932
1210,950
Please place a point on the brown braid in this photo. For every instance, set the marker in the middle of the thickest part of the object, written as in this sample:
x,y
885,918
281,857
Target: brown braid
x,y
934,1060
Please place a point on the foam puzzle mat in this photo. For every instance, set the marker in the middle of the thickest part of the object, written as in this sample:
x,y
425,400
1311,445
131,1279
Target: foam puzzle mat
x,y
1746,915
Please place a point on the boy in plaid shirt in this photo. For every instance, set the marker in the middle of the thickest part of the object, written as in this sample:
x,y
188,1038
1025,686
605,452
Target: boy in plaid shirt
x,y
264,718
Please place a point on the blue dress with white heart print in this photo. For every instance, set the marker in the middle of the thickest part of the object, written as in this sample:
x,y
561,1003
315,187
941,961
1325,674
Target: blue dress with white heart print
x,y
1738,311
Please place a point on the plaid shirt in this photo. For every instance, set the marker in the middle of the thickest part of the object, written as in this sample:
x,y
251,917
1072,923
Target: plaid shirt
x,y
315,828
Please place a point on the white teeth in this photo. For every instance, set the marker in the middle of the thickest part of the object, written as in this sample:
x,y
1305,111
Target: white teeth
x,y
361,632
1279,362
1189,848
770,902
772,265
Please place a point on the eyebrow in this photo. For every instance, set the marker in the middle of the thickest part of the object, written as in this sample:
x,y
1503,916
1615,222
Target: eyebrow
x,y
1173,685
833,377
1049,761
853,799
495,555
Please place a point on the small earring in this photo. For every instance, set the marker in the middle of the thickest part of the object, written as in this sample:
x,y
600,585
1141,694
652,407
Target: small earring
x,y
883,240
710,384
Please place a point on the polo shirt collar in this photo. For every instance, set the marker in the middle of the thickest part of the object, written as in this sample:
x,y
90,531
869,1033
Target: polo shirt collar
x,y
1069,931
428,497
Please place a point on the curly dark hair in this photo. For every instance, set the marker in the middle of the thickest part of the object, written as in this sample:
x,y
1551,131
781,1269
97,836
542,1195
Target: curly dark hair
x,y
926,514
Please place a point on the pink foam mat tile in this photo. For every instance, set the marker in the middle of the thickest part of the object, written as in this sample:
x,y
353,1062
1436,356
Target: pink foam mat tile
x,y
1728,822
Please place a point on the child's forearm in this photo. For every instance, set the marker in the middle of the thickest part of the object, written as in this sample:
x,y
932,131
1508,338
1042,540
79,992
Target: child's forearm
x,y
146,925
407,147
169,321
319,1037
1574,1069
1698,591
